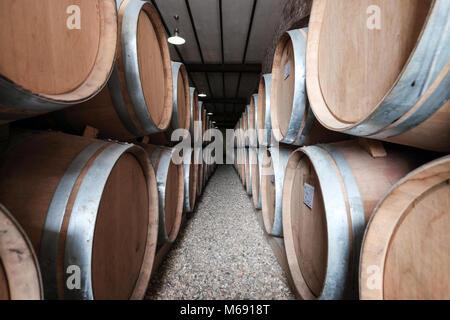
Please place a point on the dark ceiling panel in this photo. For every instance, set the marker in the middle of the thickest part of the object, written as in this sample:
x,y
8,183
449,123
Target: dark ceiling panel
x,y
216,84
265,24
201,82
236,19
207,24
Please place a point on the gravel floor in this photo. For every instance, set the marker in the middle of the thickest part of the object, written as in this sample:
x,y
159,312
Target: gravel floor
x,y
221,253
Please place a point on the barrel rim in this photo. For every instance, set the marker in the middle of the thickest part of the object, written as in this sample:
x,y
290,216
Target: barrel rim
x,y
76,240
299,124
265,129
179,69
32,264
12,94
392,108
337,228
125,85
377,255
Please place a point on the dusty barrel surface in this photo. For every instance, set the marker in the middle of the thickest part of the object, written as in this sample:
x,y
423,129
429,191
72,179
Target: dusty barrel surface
x,y
138,98
329,194
293,121
20,276
170,180
190,180
39,39
274,161
393,85
405,250
69,194
264,125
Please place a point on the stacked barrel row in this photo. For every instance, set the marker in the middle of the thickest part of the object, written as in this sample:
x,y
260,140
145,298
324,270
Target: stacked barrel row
x,y
85,206
360,217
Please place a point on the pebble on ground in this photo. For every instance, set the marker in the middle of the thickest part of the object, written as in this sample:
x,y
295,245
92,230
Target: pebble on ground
x,y
221,253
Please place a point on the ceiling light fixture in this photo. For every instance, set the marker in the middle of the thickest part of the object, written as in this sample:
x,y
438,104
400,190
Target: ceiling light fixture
x,y
202,95
210,114
176,39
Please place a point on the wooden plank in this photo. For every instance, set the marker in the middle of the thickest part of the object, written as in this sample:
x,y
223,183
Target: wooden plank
x,y
374,147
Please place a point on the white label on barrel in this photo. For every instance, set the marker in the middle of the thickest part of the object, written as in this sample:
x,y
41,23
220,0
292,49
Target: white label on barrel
x,y
308,195
287,70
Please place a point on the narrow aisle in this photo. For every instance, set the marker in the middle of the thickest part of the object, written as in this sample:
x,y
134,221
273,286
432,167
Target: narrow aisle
x,y
222,252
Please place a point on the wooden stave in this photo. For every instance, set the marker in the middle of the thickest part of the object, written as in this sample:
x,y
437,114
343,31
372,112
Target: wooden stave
x,y
398,115
384,221
341,189
18,103
24,280
76,252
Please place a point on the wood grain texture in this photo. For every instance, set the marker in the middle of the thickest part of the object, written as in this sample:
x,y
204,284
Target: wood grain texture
x,y
405,253
306,230
20,276
51,60
122,244
155,76
360,84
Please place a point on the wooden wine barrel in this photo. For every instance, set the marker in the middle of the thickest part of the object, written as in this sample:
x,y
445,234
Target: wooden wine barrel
x,y
252,121
393,85
405,253
138,98
255,160
181,102
274,161
264,121
70,194
170,180
194,111
293,121
38,39
20,276
190,181
329,194
180,110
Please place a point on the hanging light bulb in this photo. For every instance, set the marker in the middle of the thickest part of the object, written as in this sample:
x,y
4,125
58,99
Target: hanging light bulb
x,y
176,39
